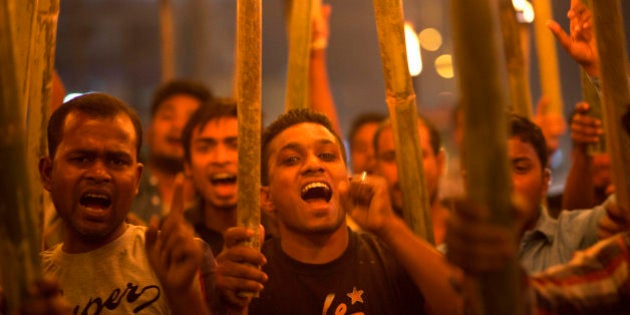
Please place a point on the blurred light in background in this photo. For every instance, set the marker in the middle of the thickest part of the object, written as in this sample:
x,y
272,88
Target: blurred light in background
x,y
414,58
430,39
444,66
524,11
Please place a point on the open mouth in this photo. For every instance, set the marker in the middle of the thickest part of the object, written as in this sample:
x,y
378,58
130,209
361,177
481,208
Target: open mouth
x,y
95,200
223,178
316,190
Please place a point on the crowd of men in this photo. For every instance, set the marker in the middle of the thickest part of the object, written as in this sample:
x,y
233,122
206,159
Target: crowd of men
x,y
160,236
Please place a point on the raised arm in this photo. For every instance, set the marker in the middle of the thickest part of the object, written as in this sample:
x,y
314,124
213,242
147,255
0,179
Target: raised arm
x,y
369,205
176,256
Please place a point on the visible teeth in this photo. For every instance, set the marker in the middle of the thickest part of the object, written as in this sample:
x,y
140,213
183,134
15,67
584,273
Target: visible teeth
x,y
93,195
314,185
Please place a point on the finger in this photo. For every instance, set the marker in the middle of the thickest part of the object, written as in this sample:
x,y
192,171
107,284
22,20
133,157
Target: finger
x,y
562,36
242,254
582,107
236,235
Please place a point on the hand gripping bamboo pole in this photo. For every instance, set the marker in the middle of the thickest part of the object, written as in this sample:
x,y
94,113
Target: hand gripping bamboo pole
x,y
520,99
485,137
547,57
401,101
167,40
248,87
611,47
299,54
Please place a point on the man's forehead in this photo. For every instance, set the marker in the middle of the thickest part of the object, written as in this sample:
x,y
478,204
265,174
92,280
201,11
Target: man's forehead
x,y
215,128
79,120
302,133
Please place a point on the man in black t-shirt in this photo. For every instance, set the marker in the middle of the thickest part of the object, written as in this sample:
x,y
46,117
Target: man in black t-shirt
x,y
317,265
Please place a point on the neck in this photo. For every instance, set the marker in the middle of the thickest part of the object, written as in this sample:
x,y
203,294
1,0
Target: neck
x,y
314,248
74,243
218,219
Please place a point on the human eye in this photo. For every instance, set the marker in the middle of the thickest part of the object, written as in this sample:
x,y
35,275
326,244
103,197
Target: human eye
x,y
119,160
80,159
521,167
290,160
328,156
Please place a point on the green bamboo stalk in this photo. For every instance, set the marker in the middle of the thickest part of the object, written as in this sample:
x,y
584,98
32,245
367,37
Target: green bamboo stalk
x,y
591,96
27,45
547,57
248,58
485,135
520,98
299,54
401,101
611,47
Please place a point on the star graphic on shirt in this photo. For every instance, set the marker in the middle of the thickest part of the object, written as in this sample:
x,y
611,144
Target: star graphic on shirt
x,y
355,295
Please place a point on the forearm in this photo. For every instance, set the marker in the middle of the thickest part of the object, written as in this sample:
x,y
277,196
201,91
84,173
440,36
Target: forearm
x,y
320,93
578,189
426,266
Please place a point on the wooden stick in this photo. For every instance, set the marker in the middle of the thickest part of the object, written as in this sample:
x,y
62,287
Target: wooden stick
x,y
611,47
401,101
547,57
591,96
249,47
27,42
520,98
167,40
485,135
299,54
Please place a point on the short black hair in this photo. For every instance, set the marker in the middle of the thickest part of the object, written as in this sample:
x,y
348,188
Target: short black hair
x,y
177,87
364,119
528,132
286,120
435,139
208,111
97,105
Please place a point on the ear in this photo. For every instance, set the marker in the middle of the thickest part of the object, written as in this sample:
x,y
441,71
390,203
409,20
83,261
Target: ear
x,y
139,169
45,172
266,202
546,181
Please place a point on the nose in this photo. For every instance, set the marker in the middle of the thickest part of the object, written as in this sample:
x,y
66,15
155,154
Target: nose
x,y
221,155
98,172
313,164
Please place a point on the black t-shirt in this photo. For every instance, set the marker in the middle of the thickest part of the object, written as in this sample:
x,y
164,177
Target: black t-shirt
x,y
365,279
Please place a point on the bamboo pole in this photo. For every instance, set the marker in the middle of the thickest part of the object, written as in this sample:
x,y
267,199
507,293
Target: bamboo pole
x,y
520,98
401,101
547,57
27,46
299,54
611,47
167,40
485,135
248,87
591,96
